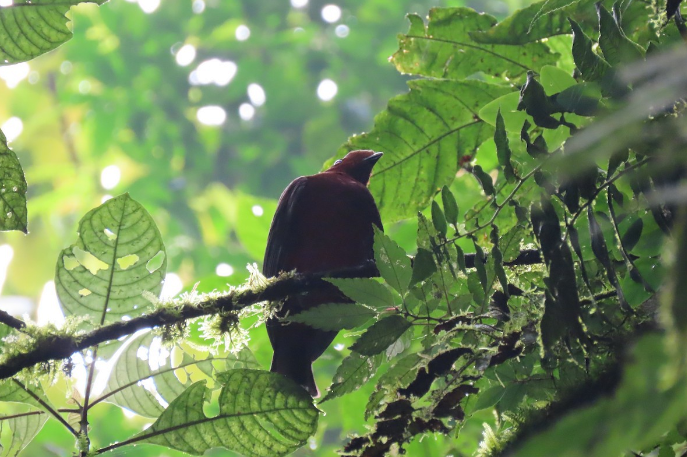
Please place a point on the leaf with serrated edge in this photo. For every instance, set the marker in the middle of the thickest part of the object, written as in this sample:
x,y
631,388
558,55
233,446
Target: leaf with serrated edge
x,y
392,262
12,187
365,291
31,28
381,335
354,371
422,133
89,278
262,414
335,316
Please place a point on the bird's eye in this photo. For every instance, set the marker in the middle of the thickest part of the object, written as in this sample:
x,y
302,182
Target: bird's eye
x,y
338,162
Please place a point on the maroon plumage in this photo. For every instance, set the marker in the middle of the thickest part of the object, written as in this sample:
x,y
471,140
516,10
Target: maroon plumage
x,y
323,222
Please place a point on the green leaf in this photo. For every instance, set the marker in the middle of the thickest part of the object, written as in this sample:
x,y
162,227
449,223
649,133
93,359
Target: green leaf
x,y
12,390
93,276
426,129
392,261
381,335
438,219
132,377
633,234
489,397
616,47
450,205
502,148
260,414
542,19
484,180
423,266
24,429
354,371
445,49
12,184
335,316
587,61
31,28
555,80
365,291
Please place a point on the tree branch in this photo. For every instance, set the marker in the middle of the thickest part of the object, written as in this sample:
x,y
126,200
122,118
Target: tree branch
x,y
11,321
59,346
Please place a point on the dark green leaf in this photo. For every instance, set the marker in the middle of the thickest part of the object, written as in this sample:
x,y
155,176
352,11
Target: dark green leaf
x,y
484,180
616,47
632,235
438,219
381,335
423,266
366,291
590,65
489,397
450,205
354,371
392,261
335,316
503,149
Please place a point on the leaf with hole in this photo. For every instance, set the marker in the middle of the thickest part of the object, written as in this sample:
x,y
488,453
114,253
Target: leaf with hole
x,y
95,277
12,185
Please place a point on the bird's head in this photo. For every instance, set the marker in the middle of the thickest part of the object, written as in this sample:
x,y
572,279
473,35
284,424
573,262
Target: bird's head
x,y
357,164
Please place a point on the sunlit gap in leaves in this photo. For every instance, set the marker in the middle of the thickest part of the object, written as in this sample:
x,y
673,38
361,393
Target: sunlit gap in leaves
x,y
299,3
213,71
342,31
198,6
256,94
185,55
242,32
6,2
14,74
110,176
12,128
171,287
211,115
49,311
331,13
257,210
246,111
327,90
224,270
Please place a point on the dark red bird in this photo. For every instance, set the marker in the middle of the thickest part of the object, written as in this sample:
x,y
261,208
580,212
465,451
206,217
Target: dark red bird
x,y
323,222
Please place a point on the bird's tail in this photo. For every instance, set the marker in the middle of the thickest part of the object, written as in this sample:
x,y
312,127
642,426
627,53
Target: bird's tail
x,y
298,369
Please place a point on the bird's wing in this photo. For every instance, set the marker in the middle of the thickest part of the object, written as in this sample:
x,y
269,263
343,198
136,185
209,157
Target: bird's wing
x,y
279,240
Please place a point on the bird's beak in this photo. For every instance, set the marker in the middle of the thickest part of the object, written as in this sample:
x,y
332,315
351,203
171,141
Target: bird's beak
x,y
373,158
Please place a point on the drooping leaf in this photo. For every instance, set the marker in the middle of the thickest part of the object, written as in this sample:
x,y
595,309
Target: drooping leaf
x,y
381,335
489,397
503,151
31,28
616,47
438,219
423,134
445,49
423,266
354,371
633,233
13,390
587,61
24,429
90,277
260,414
13,215
335,316
392,262
365,291
450,205
484,180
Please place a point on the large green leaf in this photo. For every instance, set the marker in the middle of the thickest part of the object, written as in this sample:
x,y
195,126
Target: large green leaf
x,y
366,291
423,135
444,48
29,28
12,188
24,429
381,335
119,255
13,390
354,371
261,414
335,316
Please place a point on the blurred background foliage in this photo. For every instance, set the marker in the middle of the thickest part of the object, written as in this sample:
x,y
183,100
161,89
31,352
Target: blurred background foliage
x,y
204,111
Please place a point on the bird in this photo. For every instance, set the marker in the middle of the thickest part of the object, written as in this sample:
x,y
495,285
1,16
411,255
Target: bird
x,y
323,222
